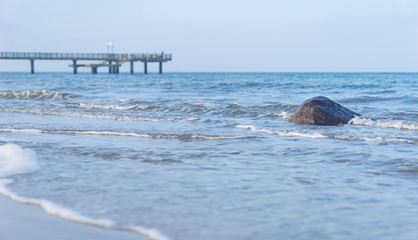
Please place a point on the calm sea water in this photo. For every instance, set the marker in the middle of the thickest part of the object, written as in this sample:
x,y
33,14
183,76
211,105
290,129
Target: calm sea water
x,y
207,156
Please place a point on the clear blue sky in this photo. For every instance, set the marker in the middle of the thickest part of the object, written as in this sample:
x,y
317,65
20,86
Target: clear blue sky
x,y
220,35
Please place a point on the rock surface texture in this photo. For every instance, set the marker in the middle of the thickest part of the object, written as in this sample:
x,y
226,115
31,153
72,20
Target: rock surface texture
x,y
322,111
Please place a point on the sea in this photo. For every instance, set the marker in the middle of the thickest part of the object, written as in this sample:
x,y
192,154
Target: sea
x,y
203,156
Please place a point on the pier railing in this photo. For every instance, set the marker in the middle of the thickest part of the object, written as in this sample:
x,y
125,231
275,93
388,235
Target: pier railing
x,y
87,56
111,60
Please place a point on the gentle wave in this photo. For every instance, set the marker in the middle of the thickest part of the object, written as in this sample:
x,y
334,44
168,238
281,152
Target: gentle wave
x,y
192,119
278,106
192,107
116,107
183,137
284,115
235,105
283,133
378,139
321,136
70,215
34,95
369,99
39,111
127,100
398,124
405,115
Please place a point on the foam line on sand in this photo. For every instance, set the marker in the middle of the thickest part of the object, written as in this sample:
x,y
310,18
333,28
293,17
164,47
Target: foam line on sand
x,y
27,222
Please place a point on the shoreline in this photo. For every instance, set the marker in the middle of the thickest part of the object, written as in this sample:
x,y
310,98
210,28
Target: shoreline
x,y
27,222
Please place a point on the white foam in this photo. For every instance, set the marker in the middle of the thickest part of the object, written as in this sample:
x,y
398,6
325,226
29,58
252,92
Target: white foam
x,y
205,104
192,119
112,106
116,117
235,105
283,133
101,133
127,134
21,130
53,209
148,232
72,132
320,136
378,139
284,115
268,105
70,215
15,160
214,138
165,136
103,106
34,95
253,129
124,100
398,124
297,134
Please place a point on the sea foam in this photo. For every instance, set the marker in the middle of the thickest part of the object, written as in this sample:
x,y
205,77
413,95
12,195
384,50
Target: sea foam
x,y
127,134
34,95
52,209
284,115
378,139
82,114
283,133
70,215
116,107
321,136
16,160
398,124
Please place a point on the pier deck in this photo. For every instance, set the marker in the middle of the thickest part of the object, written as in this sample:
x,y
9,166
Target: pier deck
x,y
106,58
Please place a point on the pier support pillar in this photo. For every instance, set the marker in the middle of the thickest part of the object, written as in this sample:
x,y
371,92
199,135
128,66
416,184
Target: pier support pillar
x,y
32,66
145,68
93,70
110,67
161,67
74,66
132,67
116,71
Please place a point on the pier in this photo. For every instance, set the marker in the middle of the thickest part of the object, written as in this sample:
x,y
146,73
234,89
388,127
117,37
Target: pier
x,y
109,60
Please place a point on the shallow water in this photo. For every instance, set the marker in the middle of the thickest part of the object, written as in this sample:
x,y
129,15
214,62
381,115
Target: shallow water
x,y
211,155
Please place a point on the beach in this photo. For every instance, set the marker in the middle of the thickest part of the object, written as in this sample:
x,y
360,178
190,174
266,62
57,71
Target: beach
x,y
27,222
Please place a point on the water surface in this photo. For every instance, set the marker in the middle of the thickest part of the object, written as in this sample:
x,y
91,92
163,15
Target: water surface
x,y
211,155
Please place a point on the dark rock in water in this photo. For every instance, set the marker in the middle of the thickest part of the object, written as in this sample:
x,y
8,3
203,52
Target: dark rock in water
x,y
322,111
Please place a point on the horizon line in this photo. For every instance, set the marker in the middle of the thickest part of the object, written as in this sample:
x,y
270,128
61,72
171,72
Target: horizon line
x,y
222,72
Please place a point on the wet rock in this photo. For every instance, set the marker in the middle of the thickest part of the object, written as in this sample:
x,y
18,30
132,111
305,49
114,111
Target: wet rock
x,y
322,111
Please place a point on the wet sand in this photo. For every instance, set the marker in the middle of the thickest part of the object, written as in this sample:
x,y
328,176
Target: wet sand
x,y
27,222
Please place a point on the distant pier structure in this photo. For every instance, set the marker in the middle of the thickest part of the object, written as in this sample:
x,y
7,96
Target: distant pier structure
x,y
110,60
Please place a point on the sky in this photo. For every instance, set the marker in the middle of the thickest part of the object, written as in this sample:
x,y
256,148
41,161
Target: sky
x,y
219,35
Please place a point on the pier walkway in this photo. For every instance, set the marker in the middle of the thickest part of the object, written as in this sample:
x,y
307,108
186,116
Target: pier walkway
x,y
110,60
